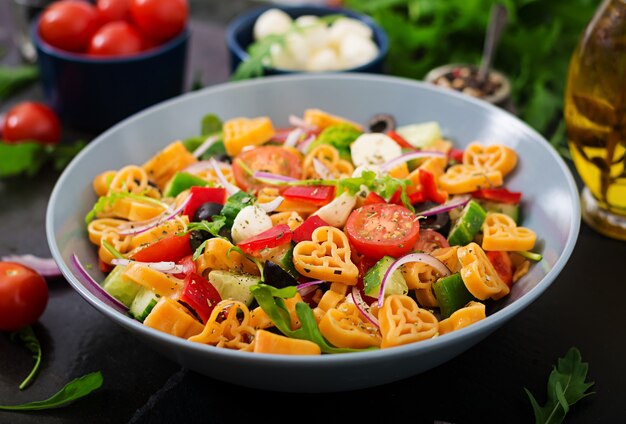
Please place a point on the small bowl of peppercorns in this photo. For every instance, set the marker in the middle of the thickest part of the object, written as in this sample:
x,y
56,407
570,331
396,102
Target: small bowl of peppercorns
x,y
495,88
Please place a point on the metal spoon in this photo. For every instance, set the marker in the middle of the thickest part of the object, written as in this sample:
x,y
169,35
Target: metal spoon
x,y
497,22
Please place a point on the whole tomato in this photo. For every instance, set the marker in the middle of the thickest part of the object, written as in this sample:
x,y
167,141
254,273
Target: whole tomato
x,y
159,19
31,121
113,10
69,24
23,296
117,38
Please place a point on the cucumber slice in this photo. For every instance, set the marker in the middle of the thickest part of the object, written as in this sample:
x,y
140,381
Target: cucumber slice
x,y
421,135
120,288
143,303
451,294
234,286
374,278
497,207
182,181
467,225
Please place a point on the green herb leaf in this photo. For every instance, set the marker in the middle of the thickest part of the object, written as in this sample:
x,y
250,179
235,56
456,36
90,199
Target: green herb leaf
x,y
566,386
62,154
12,78
271,301
213,227
234,204
211,124
23,158
72,391
200,250
27,336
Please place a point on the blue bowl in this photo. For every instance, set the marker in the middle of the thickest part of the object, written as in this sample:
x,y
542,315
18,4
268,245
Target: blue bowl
x,y
239,35
92,94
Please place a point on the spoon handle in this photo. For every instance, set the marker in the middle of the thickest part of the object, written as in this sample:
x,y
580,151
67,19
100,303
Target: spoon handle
x,y
497,22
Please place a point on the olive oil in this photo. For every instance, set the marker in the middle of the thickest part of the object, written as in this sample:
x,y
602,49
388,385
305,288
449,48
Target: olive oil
x,y
595,108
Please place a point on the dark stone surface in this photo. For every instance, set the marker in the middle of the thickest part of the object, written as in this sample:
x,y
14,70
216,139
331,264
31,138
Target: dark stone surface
x,y
583,308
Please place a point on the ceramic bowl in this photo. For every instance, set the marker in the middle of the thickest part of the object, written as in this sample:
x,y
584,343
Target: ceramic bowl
x,y
239,36
550,207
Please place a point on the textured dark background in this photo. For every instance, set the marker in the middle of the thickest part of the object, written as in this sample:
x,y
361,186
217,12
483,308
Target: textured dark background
x,y
584,308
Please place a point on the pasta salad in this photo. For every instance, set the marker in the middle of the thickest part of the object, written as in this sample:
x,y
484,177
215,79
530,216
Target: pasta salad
x,y
324,237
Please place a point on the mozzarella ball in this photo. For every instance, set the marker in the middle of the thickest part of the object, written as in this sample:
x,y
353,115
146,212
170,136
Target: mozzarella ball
x,y
298,47
273,21
374,149
355,50
343,27
281,58
306,20
324,59
249,222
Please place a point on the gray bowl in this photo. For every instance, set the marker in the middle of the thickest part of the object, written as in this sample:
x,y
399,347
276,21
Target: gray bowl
x,y
550,208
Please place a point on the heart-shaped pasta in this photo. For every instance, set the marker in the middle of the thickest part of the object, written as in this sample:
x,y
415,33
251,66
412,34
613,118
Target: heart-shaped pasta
x,y
500,232
496,157
344,327
231,332
460,179
479,276
326,257
403,322
329,157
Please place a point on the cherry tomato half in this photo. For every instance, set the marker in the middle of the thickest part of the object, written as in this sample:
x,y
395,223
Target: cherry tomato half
x,y
69,24
117,38
272,159
113,10
23,296
160,19
430,240
502,264
31,121
382,229
171,248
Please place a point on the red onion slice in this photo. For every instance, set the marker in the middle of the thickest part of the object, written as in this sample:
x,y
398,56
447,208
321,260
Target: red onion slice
x,y
96,289
166,267
308,287
205,146
388,166
303,147
230,188
272,178
296,121
455,202
411,257
46,267
271,206
293,137
148,225
204,165
322,170
363,307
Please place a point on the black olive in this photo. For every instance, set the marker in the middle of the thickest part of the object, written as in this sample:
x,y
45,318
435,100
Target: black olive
x,y
275,276
381,123
225,232
197,237
206,211
439,222
223,157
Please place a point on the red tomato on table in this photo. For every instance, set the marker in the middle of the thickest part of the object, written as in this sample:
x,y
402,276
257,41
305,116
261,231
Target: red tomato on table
x,y
382,229
69,24
159,19
31,121
23,296
272,159
116,39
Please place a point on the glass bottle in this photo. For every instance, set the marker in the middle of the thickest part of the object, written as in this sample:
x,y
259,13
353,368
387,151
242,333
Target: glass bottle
x,y
595,114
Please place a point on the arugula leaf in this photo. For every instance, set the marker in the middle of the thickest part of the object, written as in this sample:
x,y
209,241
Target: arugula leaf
x,y
566,386
211,124
12,78
271,301
235,203
72,391
339,136
213,227
28,157
27,336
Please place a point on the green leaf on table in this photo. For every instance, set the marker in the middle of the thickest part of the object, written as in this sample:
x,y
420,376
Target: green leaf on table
x,y
14,77
566,386
74,390
62,154
27,336
23,158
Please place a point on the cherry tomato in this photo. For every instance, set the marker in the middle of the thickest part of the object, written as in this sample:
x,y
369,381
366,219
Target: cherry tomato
x,y
113,10
31,121
272,159
502,264
23,296
159,19
430,240
382,229
117,38
172,248
69,24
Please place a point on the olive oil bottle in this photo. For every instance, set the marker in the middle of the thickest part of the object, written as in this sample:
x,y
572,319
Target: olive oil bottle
x,y
595,114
